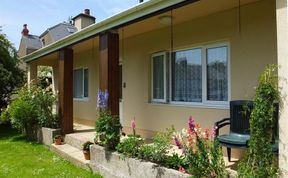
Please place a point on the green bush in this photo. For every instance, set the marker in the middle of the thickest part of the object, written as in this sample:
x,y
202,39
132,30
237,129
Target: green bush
x,y
108,130
175,161
259,161
157,151
31,109
130,146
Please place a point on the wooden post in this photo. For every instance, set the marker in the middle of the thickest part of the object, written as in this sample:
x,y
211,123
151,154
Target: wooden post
x,y
109,68
66,89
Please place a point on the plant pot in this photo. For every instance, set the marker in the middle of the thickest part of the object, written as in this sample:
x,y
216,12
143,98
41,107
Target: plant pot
x,y
57,141
86,154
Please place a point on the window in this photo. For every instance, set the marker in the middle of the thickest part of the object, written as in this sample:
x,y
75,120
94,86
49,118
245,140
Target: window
x,y
217,74
159,77
71,30
197,76
80,89
187,76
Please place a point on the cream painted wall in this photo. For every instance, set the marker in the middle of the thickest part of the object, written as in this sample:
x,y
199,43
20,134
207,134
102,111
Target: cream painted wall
x,y
86,109
252,48
282,36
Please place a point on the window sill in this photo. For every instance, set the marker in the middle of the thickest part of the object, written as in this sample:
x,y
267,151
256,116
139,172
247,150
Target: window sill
x,y
81,99
193,105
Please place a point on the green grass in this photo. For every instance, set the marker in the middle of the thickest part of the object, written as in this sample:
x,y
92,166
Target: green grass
x,y
21,158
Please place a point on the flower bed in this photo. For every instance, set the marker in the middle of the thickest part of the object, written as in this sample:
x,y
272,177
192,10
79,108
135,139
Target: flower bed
x,y
112,164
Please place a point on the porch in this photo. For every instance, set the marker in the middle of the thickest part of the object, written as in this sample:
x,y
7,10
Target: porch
x,y
246,32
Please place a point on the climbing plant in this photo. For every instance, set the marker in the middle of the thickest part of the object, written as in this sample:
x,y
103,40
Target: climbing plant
x,y
259,161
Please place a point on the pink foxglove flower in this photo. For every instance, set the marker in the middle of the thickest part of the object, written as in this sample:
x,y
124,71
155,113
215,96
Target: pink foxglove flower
x,y
177,143
213,132
133,125
191,123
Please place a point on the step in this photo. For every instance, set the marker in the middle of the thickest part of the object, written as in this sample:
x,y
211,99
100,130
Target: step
x,y
78,139
71,154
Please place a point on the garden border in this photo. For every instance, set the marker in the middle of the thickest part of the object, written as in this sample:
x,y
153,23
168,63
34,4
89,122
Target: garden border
x,y
115,165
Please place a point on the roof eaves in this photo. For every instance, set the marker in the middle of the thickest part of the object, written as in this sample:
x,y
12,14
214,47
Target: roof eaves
x,y
131,14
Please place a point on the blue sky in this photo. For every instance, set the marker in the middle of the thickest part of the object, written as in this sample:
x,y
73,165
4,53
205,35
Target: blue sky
x,y
42,14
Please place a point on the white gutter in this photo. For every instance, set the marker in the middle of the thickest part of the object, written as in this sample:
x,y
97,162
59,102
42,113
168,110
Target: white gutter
x,y
134,13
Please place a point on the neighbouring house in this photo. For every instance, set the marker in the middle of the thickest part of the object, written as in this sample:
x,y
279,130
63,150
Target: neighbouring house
x,y
162,61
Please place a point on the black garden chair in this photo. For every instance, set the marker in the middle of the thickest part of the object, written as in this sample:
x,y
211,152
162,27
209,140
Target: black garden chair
x,y
239,135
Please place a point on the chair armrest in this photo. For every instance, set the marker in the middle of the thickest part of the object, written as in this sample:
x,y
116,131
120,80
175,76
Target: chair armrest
x,y
220,124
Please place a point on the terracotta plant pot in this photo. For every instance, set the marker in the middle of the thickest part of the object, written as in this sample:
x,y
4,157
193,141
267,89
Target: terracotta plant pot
x,y
86,154
57,141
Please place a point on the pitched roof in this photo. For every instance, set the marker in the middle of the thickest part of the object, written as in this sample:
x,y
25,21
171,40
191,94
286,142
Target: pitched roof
x,y
60,31
33,42
84,15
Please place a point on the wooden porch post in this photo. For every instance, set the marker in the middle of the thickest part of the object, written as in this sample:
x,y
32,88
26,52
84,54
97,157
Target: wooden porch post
x,y
65,64
109,68
282,53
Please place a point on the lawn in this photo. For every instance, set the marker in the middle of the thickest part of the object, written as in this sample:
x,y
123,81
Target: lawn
x,y
21,158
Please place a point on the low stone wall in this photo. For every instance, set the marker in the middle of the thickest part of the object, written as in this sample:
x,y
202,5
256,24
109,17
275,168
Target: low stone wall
x,y
46,135
114,165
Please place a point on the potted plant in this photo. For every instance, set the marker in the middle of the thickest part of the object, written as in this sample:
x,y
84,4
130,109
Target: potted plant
x,y
86,149
57,140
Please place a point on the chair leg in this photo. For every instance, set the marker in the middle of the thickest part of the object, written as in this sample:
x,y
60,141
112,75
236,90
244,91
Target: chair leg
x,y
229,154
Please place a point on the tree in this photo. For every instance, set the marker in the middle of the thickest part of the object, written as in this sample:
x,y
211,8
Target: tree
x,y
11,76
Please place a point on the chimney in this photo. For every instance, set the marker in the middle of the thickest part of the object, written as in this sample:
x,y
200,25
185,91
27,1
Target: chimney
x,y
83,20
87,12
140,1
25,31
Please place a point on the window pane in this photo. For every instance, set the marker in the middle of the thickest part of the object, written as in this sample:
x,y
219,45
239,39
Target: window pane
x,y
78,85
86,78
187,76
217,75
158,77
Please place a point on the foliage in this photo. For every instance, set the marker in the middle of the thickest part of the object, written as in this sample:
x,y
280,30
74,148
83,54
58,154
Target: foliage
x,y
130,146
259,161
108,130
21,158
11,76
203,154
31,109
44,74
175,161
86,146
157,151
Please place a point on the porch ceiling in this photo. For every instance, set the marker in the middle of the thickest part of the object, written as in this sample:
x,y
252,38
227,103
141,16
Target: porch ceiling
x,y
48,60
191,11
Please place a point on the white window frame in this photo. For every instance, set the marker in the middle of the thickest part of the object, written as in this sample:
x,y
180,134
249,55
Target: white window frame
x,y
170,79
204,102
164,100
82,98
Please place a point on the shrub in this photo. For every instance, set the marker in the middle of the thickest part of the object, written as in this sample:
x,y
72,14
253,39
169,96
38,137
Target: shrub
x,y
108,130
31,109
175,161
259,160
157,151
130,146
